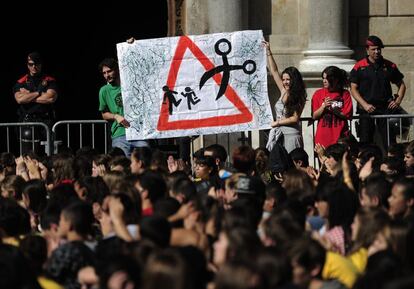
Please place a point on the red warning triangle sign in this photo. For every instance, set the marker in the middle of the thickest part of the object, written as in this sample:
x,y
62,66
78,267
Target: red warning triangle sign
x,y
164,123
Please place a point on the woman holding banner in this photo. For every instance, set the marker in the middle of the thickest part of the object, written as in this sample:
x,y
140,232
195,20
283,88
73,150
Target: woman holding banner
x,y
286,130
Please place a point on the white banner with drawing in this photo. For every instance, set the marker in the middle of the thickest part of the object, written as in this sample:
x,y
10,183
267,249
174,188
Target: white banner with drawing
x,y
192,85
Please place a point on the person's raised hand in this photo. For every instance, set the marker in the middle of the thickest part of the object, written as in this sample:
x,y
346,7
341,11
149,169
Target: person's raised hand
x,y
319,150
181,164
312,173
366,170
130,40
172,164
278,177
32,166
116,209
346,168
101,170
20,164
43,170
267,46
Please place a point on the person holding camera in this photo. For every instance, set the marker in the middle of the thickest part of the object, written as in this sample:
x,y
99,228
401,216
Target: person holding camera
x,y
35,93
332,107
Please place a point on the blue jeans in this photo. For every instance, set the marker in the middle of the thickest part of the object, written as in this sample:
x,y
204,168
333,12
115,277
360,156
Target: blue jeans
x,y
127,146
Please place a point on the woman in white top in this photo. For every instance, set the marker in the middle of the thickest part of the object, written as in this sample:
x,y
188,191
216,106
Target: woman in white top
x,y
287,128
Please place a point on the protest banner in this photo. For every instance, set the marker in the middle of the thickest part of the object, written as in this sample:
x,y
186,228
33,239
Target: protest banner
x,y
193,85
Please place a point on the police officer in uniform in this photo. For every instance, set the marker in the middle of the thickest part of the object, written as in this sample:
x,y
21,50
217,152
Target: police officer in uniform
x,y
35,93
371,80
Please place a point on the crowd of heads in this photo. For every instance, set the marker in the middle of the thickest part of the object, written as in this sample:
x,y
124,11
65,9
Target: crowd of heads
x,y
87,219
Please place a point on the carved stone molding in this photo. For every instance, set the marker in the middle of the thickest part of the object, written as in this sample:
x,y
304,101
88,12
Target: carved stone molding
x,y
176,17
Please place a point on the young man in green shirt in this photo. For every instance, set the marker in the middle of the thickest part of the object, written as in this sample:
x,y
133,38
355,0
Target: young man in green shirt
x,y
110,105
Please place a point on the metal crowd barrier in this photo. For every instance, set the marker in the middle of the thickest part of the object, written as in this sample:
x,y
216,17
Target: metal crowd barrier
x,y
405,133
84,127
351,124
88,131
245,138
19,126
390,117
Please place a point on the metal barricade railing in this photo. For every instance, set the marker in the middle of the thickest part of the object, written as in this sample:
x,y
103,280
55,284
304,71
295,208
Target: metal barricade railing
x,y
20,126
308,121
84,127
388,118
93,130
351,122
243,138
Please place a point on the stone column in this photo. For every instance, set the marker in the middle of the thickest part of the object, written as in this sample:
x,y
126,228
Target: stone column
x,y
196,22
214,16
225,16
328,37
327,45
196,18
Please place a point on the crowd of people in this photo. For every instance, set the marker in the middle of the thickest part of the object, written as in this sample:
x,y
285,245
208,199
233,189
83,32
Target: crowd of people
x,y
87,220
254,219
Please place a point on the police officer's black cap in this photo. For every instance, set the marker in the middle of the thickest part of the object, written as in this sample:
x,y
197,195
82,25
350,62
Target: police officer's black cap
x,y
373,40
35,57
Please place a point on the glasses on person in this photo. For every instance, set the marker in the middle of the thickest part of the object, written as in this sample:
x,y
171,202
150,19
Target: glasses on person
x,y
33,64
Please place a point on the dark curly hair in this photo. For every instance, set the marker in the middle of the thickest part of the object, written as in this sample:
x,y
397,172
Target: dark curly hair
x,y
108,62
297,93
337,78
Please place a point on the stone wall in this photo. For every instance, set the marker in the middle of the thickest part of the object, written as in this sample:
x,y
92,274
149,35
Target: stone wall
x,y
391,20
285,23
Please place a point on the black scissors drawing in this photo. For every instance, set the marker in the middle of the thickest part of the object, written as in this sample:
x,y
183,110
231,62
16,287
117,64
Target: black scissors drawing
x,y
225,68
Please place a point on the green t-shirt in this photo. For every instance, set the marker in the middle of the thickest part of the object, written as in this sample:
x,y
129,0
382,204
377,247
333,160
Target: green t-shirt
x,y
110,100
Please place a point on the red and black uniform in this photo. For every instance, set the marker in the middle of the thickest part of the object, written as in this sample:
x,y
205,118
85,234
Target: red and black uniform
x,y
374,84
31,136
33,111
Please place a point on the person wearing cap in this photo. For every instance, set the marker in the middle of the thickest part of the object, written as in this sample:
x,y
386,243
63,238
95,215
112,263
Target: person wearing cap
x,y
371,80
35,92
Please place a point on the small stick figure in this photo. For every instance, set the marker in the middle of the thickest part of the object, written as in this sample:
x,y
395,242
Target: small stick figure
x,y
169,94
189,95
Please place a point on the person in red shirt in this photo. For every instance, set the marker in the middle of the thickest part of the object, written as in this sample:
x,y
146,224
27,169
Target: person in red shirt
x,y
332,107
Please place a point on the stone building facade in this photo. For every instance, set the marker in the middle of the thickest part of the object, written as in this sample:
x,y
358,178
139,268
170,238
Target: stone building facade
x,y
310,34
